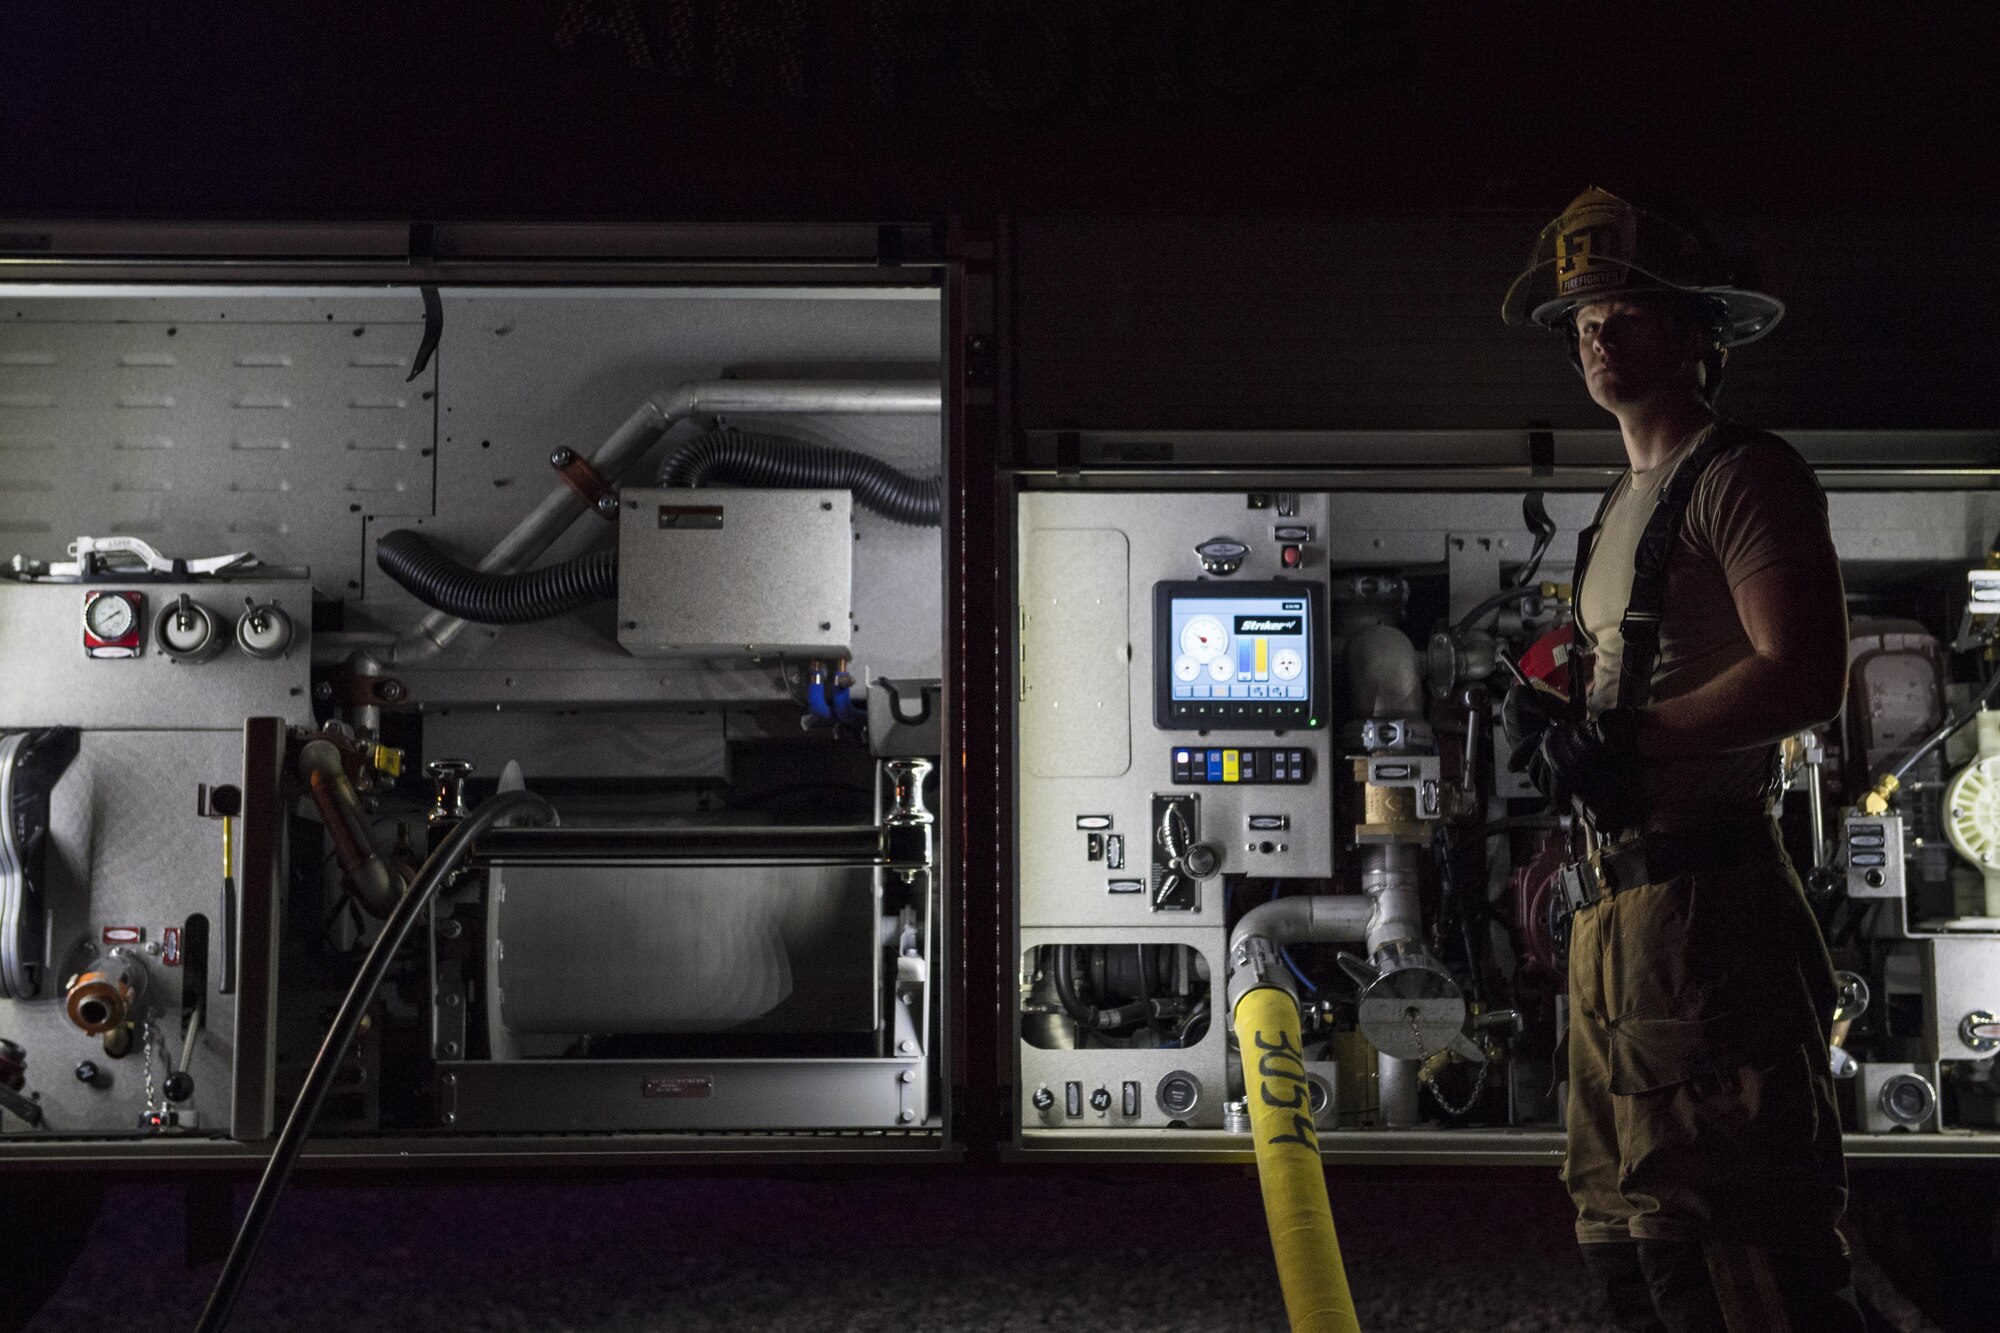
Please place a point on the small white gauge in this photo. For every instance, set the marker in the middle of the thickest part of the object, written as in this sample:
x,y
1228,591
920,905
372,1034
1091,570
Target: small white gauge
x,y
1204,638
111,623
1186,668
1221,669
1286,663
110,618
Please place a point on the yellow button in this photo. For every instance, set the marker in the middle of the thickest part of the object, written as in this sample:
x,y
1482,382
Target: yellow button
x,y
1230,770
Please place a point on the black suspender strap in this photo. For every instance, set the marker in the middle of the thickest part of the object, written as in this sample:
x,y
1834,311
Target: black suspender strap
x,y
1640,627
1579,682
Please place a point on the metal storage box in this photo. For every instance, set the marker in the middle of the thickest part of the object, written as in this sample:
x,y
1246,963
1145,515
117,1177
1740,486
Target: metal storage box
x,y
712,573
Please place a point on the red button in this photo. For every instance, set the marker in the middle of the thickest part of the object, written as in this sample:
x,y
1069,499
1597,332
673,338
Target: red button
x,y
1289,557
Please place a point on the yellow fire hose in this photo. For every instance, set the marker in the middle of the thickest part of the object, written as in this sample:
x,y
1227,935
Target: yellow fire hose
x,y
1289,1170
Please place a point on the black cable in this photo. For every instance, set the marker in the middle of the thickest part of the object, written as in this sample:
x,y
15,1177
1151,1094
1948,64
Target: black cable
x,y
1083,1015
319,1079
443,584
1493,603
1950,727
741,458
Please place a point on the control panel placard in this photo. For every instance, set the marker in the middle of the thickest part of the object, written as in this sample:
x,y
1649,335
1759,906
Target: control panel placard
x,y
1238,656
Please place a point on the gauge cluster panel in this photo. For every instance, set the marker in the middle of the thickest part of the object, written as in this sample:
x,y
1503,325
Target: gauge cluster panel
x,y
1240,656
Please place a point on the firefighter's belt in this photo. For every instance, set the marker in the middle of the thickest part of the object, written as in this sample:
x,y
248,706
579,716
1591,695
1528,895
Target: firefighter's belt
x,y
1655,858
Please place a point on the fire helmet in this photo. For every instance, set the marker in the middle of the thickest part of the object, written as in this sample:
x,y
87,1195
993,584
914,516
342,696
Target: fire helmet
x,y
1604,247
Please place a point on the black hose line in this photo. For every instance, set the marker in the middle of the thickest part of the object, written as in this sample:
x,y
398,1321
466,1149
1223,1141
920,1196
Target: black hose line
x,y
319,1079
443,584
1950,728
735,457
1088,1017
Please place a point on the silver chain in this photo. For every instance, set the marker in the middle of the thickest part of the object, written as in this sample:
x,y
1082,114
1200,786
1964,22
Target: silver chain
x,y
1430,1081
150,1034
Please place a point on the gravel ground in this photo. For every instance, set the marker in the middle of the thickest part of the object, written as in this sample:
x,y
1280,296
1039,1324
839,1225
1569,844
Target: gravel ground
x,y
996,1253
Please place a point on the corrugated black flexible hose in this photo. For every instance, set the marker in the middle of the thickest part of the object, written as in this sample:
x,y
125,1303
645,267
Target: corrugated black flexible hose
x,y
739,458
442,583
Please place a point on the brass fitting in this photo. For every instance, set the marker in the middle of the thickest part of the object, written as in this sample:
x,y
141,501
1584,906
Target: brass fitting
x,y
1876,802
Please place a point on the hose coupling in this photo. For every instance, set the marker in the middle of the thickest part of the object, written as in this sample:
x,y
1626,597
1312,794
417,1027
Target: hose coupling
x,y
1255,961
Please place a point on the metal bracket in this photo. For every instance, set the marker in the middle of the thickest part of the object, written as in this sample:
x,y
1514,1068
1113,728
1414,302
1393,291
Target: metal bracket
x,y
580,476
24,1107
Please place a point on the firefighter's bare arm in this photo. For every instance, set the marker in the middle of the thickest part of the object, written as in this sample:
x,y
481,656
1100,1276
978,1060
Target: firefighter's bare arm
x,y
1795,617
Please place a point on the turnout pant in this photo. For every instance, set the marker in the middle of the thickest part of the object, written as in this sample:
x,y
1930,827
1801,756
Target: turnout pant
x,y
1701,1105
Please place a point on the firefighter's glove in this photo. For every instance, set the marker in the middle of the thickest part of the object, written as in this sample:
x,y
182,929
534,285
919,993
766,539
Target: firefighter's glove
x,y
1525,715
1595,762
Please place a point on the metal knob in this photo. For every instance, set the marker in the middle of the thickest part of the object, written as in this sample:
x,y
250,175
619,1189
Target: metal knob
x,y
265,631
186,632
1201,860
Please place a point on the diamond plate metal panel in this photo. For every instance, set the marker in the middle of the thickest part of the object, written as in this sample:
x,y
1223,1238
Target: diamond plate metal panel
x,y
222,431
128,850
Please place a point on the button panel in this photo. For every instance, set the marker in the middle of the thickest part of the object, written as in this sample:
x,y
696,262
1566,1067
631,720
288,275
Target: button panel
x,y
1234,712
1244,766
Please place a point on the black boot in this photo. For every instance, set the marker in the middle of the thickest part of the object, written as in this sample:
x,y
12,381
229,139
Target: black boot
x,y
1683,1292
1616,1268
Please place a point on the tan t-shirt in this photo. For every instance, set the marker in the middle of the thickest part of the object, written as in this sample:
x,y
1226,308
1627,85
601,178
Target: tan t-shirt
x,y
1757,504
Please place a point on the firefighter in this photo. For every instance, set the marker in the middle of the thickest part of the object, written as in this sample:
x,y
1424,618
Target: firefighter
x,y
1704,1152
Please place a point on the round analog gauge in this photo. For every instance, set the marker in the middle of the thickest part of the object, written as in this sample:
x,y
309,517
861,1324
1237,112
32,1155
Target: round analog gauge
x,y
1221,669
109,618
1186,668
1286,664
1204,638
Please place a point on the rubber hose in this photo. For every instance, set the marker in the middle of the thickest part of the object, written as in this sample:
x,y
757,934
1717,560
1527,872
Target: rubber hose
x,y
735,457
1951,726
443,584
1091,1019
346,1022
1289,1171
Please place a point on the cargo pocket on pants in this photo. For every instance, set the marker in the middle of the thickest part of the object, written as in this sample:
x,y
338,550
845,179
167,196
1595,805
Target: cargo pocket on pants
x,y
1652,1054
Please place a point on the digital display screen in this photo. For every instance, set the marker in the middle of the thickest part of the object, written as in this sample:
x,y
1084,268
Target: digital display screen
x,y
1243,654
1240,648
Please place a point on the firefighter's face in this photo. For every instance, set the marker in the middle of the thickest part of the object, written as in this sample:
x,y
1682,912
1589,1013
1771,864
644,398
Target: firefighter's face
x,y
1635,350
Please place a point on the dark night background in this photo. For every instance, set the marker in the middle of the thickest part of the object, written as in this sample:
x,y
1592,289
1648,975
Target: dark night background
x,y
1061,112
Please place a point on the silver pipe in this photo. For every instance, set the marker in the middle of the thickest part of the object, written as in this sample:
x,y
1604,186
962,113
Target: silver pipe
x,y
375,885
1340,918
625,446
1254,959
1385,678
1816,813
1389,875
1396,1090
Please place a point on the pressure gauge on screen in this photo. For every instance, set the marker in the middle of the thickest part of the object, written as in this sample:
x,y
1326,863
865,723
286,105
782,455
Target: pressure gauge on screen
x,y
1204,638
111,623
1286,663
